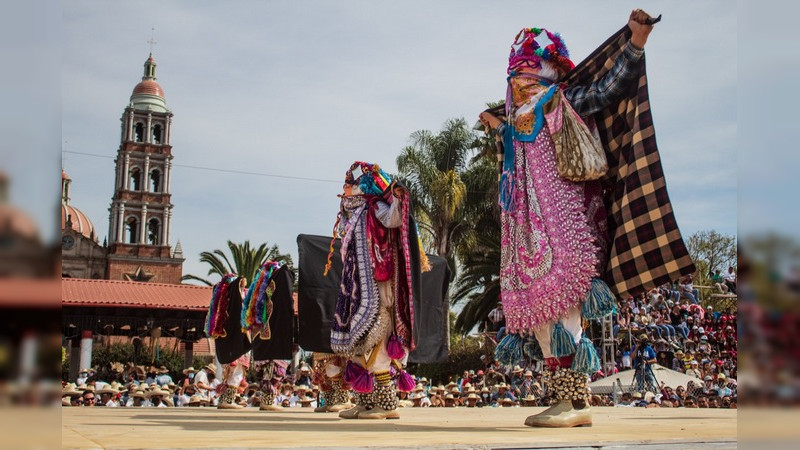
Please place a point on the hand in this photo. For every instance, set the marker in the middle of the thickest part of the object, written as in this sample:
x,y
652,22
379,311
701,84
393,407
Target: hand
x,y
636,23
489,121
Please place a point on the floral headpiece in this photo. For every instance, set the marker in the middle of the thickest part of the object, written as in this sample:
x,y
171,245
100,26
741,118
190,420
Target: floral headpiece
x,y
525,51
371,180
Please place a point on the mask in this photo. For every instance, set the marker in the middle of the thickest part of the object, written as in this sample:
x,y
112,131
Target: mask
x,y
191,375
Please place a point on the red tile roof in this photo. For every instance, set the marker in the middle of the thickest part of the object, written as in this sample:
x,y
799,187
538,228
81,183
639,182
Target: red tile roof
x,y
130,294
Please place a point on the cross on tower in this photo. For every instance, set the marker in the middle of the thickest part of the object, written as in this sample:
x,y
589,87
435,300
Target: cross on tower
x,y
152,40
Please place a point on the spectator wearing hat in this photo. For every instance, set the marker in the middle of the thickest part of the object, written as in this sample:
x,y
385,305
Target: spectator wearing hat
x,y
202,381
83,376
299,394
502,393
644,358
163,376
526,385
188,375
688,290
108,397
156,397
723,390
694,370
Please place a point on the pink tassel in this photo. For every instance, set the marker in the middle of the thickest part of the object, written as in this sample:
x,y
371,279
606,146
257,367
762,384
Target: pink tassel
x,y
353,372
405,382
364,383
395,349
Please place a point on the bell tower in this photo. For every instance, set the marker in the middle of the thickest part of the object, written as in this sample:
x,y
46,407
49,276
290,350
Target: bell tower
x,y
141,207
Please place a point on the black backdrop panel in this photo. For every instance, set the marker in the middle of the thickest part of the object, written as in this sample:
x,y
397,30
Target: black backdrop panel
x,y
317,301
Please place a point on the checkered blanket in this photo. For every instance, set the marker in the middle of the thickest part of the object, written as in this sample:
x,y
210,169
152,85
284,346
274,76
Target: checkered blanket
x,y
647,249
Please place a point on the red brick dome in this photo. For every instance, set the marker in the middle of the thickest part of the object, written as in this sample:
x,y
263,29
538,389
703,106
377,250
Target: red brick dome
x,y
148,87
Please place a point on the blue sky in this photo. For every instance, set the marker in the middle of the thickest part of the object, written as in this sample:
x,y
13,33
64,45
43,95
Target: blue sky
x,y
305,88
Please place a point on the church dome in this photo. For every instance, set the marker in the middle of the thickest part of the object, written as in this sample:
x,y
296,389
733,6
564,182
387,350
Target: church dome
x,y
148,87
79,221
148,94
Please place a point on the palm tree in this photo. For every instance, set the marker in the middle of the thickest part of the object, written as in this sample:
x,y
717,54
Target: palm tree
x,y
244,260
432,168
479,283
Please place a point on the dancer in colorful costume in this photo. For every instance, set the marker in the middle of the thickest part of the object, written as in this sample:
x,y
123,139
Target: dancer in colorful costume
x,y
268,316
335,393
570,244
382,260
264,311
231,344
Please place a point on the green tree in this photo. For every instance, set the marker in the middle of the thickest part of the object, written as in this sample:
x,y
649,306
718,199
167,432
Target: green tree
x,y
478,284
433,169
244,260
711,250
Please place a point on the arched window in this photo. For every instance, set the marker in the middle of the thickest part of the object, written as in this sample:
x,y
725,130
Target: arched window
x,y
132,226
156,134
136,180
155,181
138,132
152,231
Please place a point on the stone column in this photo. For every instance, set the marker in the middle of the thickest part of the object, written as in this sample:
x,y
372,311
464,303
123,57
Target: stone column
x,y
167,174
165,225
149,132
146,174
86,349
164,222
126,180
143,227
121,223
167,129
131,120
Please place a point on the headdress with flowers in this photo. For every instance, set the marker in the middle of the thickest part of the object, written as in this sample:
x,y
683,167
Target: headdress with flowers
x,y
526,51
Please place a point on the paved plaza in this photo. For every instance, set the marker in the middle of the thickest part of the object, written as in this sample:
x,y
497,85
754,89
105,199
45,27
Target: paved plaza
x,y
417,428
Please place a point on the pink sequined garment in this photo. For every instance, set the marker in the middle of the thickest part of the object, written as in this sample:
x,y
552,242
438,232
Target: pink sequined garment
x,y
548,255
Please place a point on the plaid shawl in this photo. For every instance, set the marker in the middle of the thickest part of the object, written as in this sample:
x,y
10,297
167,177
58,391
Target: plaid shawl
x,y
647,249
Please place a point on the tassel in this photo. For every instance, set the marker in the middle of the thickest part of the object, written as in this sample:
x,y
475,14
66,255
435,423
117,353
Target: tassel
x,y
405,382
394,348
561,342
599,302
532,349
586,359
509,350
352,372
364,383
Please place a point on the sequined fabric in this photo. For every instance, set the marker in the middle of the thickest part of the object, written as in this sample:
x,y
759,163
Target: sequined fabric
x,y
548,257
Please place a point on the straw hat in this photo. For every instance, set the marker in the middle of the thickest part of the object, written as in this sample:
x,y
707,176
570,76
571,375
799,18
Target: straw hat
x,y
66,402
508,401
163,369
517,369
197,400
637,395
473,396
454,390
528,373
189,369
485,389
117,367
501,386
419,388
70,389
139,393
423,380
211,367
302,387
450,384
449,397
107,390
155,392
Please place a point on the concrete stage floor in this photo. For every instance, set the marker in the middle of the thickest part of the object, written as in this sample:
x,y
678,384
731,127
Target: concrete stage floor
x,y
417,428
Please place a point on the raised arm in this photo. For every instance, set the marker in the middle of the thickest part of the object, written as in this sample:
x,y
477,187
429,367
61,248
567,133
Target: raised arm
x,y
587,100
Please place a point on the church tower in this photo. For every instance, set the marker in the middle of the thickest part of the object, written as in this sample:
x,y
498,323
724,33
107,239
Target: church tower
x,y
141,208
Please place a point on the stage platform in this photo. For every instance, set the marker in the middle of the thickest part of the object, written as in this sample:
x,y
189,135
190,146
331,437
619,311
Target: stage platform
x,y
417,428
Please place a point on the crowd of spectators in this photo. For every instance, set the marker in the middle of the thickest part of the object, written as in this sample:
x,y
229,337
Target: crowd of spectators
x,y
698,341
